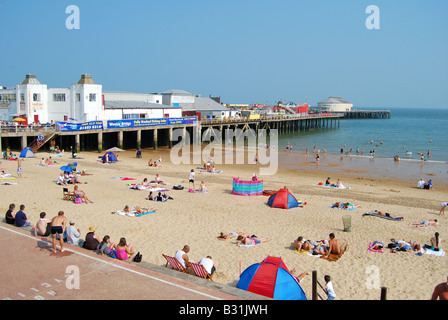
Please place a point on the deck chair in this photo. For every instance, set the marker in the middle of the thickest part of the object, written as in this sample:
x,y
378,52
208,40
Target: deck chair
x,y
200,271
174,263
67,195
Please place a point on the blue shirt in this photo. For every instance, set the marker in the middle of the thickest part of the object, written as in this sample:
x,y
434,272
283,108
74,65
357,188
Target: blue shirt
x,y
20,218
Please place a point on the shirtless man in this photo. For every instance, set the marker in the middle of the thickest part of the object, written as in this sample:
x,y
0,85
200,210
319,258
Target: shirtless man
x,y
58,225
42,226
440,291
334,246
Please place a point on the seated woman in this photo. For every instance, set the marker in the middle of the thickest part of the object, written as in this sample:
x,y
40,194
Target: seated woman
x,y
124,251
81,194
150,196
92,240
145,182
436,243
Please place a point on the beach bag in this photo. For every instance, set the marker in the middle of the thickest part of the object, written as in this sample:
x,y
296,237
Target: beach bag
x,y
178,187
113,254
78,200
138,257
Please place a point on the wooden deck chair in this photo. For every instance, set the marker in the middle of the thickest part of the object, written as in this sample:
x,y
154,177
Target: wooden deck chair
x,y
67,195
174,263
200,271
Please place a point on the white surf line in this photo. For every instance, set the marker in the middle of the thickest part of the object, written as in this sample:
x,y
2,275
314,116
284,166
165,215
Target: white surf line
x,y
120,267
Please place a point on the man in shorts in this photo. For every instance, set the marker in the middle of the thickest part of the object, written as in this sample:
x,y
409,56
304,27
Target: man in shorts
x,y
58,224
443,205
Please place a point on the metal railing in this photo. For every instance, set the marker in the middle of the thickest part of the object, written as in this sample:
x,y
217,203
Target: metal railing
x,y
269,118
19,128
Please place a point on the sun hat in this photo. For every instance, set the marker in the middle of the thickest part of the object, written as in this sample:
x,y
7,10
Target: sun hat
x,y
92,228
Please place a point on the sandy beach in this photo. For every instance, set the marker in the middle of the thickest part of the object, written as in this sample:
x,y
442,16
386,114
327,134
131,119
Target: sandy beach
x,y
197,219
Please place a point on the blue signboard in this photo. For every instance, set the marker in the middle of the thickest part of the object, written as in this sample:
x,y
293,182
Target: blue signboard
x,y
69,126
135,123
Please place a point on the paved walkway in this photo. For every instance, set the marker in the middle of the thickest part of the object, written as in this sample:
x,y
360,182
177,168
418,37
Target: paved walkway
x,y
30,270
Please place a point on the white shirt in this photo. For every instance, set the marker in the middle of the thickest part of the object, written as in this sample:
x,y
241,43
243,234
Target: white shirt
x,y
72,235
191,177
208,264
330,290
179,258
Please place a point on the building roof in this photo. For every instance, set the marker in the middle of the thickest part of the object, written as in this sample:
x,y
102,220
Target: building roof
x,y
86,79
177,92
121,104
30,79
335,100
205,104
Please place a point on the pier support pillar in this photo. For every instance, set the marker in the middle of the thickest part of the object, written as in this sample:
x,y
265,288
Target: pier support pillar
x,y
24,144
170,136
77,143
155,139
139,139
100,141
120,139
184,136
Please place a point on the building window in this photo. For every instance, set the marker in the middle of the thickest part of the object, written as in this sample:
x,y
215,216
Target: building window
x,y
59,97
92,97
78,97
8,97
131,116
36,97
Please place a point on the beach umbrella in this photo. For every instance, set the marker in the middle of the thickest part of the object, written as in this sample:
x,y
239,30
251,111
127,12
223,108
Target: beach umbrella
x,y
66,168
19,119
114,149
271,278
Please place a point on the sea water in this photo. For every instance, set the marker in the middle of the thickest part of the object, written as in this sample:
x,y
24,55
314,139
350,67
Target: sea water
x,y
409,134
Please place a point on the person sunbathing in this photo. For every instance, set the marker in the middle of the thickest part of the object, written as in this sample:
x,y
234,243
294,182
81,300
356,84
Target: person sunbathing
x,y
251,241
425,223
137,210
386,214
334,246
231,235
301,245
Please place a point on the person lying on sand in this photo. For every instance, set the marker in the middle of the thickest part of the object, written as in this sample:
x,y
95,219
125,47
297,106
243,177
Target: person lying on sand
x,y
301,245
239,235
425,223
385,214
137,209
248,241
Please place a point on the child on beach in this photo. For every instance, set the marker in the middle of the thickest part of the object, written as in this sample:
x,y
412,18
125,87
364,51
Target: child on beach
x,y
191,178
329,290
443,205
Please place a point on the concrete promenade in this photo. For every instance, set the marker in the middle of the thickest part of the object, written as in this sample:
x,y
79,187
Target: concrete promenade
x,y
31,271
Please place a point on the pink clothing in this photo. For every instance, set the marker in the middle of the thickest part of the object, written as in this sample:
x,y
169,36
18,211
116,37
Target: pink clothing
x,y
122,254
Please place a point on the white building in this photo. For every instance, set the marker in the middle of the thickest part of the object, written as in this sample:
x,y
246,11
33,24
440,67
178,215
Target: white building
x,y
86,101
35,102
335,104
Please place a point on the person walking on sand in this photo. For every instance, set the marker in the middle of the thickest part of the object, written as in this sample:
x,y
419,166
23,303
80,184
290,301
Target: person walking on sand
x,y
19,168
443,205
58,225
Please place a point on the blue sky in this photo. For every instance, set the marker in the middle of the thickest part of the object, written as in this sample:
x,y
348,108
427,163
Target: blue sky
x,y
244,51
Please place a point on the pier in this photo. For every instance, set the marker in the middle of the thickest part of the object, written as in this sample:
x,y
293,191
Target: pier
x,y
365,114
47,137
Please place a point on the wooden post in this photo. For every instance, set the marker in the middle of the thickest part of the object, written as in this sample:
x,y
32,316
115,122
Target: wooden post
x,y
314,285
383,293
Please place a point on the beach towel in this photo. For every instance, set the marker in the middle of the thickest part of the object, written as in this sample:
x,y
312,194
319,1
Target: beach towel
x,y
116,178
320,184
374,214
8,183
144,213
196,191
439,253
125,178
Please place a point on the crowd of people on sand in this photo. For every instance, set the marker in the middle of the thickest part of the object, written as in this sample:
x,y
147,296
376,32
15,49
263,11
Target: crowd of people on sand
x,y
63,234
